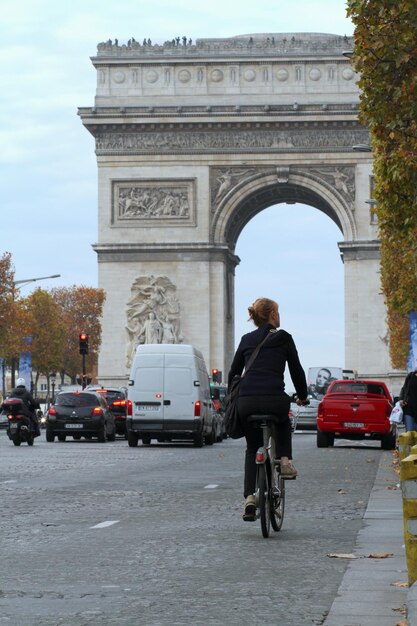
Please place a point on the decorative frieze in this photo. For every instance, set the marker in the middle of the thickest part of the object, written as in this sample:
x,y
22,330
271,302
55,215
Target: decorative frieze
x,y
230,140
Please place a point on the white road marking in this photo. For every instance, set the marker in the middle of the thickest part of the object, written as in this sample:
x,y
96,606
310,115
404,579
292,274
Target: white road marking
x,y
105,524
211,486
6,482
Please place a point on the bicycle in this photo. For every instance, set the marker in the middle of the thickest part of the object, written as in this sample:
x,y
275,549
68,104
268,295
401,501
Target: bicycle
x,y
270,484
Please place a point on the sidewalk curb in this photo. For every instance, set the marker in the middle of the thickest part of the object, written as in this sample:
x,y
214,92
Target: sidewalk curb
x,y
366,595
412,605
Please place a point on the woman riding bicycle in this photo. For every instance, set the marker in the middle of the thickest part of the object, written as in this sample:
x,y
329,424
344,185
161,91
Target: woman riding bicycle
x,y
261,391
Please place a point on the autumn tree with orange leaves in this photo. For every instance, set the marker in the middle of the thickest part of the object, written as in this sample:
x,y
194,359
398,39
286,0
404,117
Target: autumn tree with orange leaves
x,y
385,56
13,320
48,331
81,309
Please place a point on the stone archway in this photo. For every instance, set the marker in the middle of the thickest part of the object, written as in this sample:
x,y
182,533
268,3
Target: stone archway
x,y
194,139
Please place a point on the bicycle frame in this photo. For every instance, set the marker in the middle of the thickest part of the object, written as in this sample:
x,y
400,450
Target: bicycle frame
x,y
270,487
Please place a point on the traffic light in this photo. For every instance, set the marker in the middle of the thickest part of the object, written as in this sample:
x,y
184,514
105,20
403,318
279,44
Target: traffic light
x,y
83,343
216,375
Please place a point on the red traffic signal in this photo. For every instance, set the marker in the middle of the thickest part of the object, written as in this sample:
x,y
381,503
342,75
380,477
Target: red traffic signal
x,y
216,375
83,343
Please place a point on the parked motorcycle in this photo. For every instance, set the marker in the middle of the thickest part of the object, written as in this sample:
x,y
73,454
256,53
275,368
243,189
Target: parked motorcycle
x,y
20,427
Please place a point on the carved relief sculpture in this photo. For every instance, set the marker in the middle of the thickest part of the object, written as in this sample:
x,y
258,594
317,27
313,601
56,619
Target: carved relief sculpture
x,y
153,200
153,314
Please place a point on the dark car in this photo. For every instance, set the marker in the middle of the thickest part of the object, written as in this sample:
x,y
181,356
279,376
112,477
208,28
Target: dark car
x,y
218,393
118,404
80,414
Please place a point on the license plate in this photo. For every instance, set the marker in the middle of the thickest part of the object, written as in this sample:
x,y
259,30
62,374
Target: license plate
x,y
353,425
73,425
148,407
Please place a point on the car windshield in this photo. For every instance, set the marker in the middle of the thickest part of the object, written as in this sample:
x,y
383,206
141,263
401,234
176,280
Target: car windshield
x,y
77,399
373,389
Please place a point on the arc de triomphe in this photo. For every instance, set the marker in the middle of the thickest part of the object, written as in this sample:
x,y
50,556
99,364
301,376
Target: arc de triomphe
x,y
192,141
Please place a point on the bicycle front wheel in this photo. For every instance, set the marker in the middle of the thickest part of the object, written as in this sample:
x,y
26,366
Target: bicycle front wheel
x,y
278,503
264,500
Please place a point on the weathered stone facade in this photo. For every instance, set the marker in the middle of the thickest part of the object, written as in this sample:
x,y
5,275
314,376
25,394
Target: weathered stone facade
x,y
192,141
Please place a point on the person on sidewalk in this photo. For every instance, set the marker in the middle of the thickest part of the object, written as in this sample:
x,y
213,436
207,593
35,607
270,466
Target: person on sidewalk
x,y
262,390
408,401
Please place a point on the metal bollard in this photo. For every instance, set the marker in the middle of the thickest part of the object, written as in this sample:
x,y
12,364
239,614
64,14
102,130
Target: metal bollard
x,y
405,441
408,474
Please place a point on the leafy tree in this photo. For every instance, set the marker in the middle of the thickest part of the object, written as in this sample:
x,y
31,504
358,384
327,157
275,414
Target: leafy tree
x,y
13,320
47,329
81,309
385,55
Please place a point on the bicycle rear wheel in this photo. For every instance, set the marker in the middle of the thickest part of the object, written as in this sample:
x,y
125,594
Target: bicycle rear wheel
x,y
264,500
278,503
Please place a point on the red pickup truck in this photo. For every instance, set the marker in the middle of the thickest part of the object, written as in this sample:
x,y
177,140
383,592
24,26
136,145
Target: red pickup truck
x,y
356,409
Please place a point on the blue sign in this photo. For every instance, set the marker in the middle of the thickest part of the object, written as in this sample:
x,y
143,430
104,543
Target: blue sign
x,y
25,363
412,354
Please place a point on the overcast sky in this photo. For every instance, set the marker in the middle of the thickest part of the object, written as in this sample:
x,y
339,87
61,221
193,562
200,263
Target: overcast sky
x,y
48,177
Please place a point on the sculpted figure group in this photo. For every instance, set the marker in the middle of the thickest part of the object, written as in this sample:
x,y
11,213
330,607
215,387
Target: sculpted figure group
x,y
153,314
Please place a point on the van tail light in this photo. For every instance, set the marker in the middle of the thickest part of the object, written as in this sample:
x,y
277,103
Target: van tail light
x,y
97,410
320,413
216,404
129,407
197,408
52,410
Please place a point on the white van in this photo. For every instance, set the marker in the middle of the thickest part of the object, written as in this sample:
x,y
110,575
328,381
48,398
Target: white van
x,y
170,394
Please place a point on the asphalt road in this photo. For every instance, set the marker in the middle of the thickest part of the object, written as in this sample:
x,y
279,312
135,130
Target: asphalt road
x,y
103,534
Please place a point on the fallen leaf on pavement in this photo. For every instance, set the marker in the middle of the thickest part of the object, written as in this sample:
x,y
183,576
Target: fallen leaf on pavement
x,y
404,622
370,460
341,555
340,491
392,488
379,555
399,584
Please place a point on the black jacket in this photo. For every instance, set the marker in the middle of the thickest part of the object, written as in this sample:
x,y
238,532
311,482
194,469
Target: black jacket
x,y
266,374
23,394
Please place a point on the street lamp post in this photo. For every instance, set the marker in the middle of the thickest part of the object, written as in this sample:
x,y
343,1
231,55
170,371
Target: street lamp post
x,y
22,283
53,379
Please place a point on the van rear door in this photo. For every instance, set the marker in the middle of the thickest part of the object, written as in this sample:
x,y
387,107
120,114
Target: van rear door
x,y
147,392
180,392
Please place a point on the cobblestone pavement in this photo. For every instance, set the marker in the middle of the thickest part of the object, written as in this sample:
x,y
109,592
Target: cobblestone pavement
x,y
179,553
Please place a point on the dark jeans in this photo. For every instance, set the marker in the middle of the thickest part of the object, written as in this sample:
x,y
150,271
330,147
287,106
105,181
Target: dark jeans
x,y
263,405
410,422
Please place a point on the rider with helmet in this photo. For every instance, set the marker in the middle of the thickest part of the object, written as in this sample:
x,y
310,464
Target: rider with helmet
x,y
29,403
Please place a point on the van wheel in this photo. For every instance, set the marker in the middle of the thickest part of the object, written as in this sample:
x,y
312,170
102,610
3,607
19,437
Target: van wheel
x,y
132,439
323,440
198,440
211,438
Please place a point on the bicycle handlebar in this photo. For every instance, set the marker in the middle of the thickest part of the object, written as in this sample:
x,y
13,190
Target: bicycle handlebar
x,y
295,398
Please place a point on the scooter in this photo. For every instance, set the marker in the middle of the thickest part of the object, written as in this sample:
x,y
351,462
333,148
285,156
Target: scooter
x,y
20,427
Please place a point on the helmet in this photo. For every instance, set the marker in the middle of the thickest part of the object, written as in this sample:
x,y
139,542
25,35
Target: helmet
x,y
20,382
